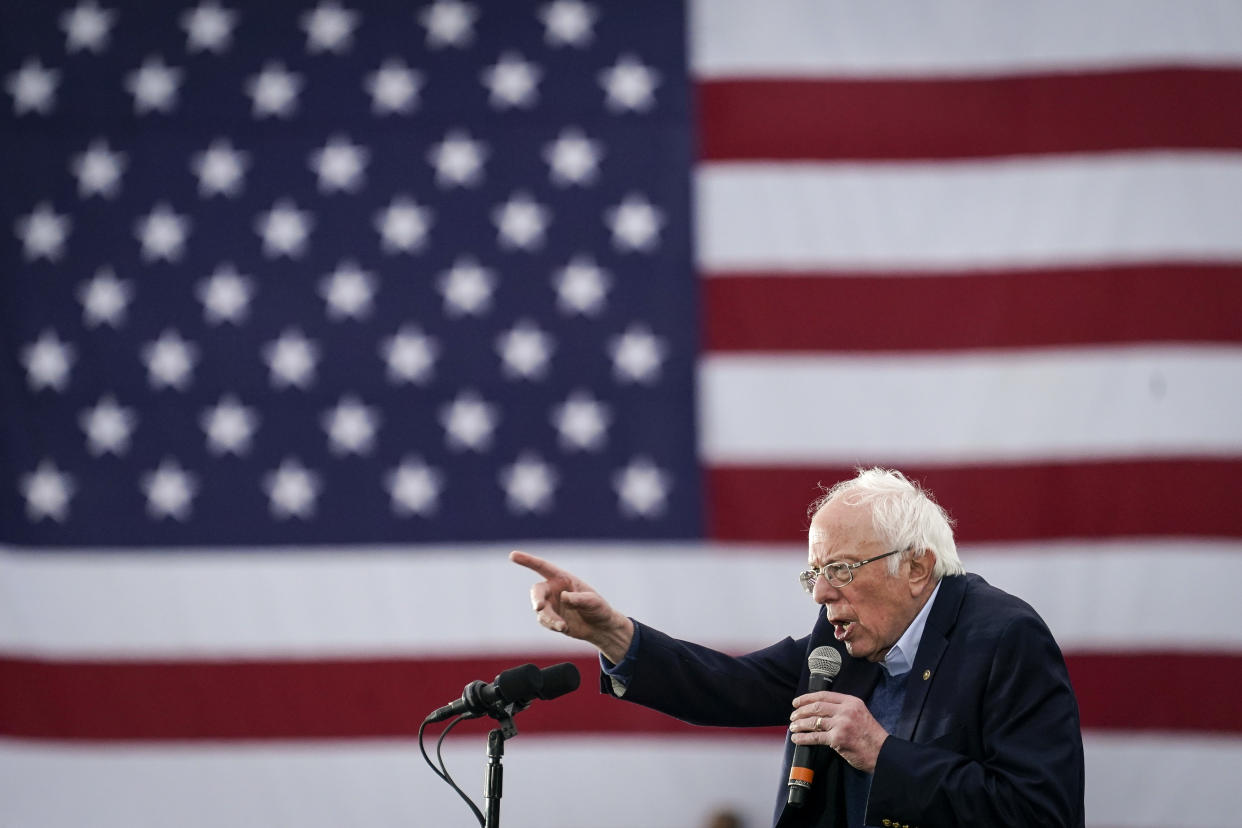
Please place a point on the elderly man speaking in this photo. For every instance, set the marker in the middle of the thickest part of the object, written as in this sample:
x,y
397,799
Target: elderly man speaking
x,y
952,705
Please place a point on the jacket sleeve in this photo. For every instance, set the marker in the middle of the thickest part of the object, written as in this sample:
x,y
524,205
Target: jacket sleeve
x,y
703,686
1028,766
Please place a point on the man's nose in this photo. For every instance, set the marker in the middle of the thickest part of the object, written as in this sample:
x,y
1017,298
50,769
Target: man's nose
x,y
825,592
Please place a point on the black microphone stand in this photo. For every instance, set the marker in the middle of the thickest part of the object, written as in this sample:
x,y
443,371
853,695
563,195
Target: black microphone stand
x,y
494,785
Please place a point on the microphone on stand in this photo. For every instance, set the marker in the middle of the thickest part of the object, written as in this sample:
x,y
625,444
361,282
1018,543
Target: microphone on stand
x,y
517,686
510,693
558,680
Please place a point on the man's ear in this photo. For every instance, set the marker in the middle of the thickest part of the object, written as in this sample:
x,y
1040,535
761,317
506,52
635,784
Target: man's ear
x,y
921,569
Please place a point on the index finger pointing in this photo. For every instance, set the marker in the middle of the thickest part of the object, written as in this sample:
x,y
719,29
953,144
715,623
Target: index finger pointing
x,y
535,564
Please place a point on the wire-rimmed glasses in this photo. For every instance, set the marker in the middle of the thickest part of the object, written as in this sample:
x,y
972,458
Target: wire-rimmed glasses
x,y
839,573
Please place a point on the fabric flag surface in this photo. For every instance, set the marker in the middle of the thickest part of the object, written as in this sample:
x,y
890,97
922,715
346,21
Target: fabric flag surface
x,y
310,311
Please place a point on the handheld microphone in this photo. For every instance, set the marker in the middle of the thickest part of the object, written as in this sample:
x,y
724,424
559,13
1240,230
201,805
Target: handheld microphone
x,y
824,664
517,686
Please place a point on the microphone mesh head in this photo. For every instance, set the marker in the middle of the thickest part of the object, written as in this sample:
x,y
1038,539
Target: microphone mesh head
x,y
824,661
519,684
559,679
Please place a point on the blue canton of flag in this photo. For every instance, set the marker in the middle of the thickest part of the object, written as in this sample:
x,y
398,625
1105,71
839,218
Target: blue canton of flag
x,y
284,273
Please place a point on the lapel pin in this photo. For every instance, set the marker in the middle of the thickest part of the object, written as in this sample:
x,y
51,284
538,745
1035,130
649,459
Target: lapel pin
x,y
926,675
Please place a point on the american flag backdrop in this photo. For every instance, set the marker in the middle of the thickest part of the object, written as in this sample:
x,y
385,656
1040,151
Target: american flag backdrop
x,y
309,311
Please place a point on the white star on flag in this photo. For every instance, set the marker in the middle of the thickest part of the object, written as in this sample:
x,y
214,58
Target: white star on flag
x,y
229,426
170,361
98,170
449,23
285,229
351,427
394,88
512,82
528,483
524,351
43,233
105,299
410,356
581,286
48,491
220,169
47,362
635,224
348,291
274,91
108,427
521,222
225,295
329,28
581,421
339,165
469,422
637,355
642,488
291,360
162,234
414,488
629,85
291,490
170,491
458,160
208,27
86,26
154,86
467,288
33,88
573,158
568,23
403,225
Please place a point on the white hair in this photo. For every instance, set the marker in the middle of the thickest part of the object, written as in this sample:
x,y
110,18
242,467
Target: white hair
x,y
904,515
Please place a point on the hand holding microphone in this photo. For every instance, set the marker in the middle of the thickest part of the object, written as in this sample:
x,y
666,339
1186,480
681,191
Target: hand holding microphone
x,y
824,720
824,664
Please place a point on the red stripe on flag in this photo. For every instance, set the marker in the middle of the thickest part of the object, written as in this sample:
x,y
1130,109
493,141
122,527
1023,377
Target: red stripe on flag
x,y
874,119
321,699
1007,309
1158,690
371,698
1085,499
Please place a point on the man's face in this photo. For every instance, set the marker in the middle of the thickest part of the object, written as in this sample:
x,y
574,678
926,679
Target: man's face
x,y
871,612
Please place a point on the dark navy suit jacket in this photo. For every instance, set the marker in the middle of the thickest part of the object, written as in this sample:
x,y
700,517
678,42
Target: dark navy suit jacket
x,y
989,733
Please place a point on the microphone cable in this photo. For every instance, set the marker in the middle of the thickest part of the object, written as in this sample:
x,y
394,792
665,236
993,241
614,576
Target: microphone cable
x,y
511,692
442,771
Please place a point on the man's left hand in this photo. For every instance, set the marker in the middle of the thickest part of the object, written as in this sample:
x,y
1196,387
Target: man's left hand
x,y
841,722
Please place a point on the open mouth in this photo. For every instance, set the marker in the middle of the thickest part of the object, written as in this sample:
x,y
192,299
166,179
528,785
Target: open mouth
x,y
842,628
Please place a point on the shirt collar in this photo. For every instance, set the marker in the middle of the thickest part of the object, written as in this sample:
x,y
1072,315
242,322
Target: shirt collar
x,y
900,657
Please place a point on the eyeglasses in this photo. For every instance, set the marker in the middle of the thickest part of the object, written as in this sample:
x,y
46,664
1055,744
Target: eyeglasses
x,y
839,574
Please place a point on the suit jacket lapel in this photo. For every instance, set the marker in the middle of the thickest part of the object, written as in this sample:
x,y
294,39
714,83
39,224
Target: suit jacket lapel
x,y
940,620
857,678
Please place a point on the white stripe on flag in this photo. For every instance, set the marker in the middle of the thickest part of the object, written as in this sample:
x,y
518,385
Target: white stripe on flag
x,y
1050,404
1114,208
369,602
1132,781
733,38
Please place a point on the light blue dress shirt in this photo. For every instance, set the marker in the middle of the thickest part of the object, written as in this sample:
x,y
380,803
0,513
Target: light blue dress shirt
x,y
901,657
